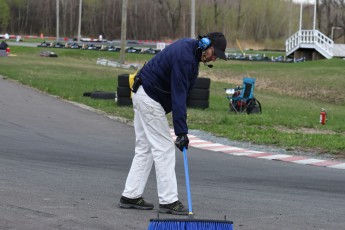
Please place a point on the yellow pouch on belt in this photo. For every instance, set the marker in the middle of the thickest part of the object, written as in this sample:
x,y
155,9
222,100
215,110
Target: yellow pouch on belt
x,y
131,80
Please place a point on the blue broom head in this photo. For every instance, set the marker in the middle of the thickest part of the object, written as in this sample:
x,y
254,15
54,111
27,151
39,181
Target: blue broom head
x,y
189,224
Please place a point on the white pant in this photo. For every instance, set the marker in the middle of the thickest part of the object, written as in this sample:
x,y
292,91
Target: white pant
x,y
153,144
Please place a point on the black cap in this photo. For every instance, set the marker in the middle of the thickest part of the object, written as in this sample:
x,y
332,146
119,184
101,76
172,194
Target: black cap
x,y
218,42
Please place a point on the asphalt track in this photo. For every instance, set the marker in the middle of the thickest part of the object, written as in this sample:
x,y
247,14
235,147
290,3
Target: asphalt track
x,y
64,167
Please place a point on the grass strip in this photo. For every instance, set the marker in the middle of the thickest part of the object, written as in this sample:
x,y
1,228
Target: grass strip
x,y
291,95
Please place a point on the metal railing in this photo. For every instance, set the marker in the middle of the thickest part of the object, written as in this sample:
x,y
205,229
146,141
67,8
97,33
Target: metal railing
x,y
310,39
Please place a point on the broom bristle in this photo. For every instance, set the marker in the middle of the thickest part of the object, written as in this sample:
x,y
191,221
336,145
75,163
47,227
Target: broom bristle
x,y
191,224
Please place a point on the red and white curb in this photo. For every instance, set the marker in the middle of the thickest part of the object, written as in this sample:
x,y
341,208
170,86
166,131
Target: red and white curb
x,y
231,150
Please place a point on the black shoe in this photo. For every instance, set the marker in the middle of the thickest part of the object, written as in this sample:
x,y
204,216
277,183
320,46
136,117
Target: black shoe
x,y
176,208
138,203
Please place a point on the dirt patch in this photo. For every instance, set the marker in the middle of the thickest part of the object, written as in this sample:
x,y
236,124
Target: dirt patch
x,y
285,86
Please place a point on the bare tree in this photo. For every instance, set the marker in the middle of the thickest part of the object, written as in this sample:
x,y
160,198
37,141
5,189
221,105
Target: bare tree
x,y
340,20
257,20
171,12
4,14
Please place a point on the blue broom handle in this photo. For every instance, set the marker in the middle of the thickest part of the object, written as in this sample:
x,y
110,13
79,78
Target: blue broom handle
x,y
189,196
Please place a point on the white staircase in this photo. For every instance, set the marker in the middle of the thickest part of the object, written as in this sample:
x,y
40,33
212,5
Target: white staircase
x,y
310,39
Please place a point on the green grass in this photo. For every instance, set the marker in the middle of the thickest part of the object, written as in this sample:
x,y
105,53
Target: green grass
x,y
291,95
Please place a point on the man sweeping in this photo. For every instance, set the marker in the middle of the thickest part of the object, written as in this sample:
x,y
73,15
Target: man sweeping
x,y
161,87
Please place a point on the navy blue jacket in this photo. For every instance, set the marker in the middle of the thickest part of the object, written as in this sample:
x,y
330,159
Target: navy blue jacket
x,y
169,76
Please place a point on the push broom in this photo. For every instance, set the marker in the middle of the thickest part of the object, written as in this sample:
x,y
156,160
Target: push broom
x,y
189,223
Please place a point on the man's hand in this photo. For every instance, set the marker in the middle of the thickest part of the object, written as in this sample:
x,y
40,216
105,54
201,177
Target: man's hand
x,y
182,141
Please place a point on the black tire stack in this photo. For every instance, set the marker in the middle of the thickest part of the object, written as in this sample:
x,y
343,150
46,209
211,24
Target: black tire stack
x,y
123,90
197,98
103,95
100,95
200,94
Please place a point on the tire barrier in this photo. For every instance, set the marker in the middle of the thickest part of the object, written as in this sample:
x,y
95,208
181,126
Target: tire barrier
x,y
202,83
87,94
123,80
103,95
198,104
123,91
124,101
100,95
197,98
200,94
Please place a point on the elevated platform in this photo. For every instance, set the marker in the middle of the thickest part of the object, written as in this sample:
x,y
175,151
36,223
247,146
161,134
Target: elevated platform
x,y
311,44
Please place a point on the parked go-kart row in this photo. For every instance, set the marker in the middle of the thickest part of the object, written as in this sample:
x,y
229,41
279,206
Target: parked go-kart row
x,y
261,57
74,45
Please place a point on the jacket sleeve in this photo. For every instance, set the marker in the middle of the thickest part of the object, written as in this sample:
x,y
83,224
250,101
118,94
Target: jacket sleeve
x,y
180,84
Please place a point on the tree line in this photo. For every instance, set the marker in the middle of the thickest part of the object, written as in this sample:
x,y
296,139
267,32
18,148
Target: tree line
x,y
250,20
